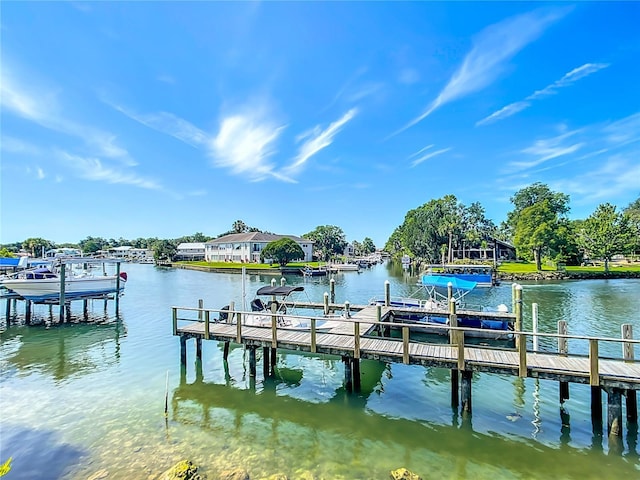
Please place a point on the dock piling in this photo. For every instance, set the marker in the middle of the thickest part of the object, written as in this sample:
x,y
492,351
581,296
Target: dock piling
x,y
252,361
614,412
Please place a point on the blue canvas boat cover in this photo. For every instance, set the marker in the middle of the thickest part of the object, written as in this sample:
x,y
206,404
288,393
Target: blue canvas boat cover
x,y
442,281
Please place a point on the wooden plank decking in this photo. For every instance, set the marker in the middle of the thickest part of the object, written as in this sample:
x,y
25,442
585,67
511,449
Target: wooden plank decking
x,y
341,341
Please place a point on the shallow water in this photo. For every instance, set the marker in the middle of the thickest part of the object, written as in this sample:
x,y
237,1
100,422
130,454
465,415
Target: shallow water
x,y
88,397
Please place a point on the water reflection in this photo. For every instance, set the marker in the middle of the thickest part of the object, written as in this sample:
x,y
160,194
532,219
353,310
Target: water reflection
x,y
62,351
276,419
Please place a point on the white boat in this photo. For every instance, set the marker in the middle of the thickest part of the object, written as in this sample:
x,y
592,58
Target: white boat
x,y
263,313
43,284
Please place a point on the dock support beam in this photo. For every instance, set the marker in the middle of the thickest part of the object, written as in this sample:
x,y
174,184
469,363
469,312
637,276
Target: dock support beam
x,y
596,409
455,398
199,349
63,281
27,312
183,351
356,374
564,391
332,290
252,361
632,406
465,391
266,363
348,384
614,412
8,312
225,352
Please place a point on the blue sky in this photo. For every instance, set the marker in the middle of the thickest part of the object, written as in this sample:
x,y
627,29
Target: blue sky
x,y
141,119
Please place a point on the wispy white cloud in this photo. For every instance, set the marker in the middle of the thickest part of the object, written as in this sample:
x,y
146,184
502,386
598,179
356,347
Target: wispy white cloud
x,y
623,131
423,149
615,176
492,48
316,140
429,155
40,173
547,149
166,123
92,168
41,106
244,144
568,79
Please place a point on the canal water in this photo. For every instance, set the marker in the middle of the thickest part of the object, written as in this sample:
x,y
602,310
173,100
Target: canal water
x,y
87,399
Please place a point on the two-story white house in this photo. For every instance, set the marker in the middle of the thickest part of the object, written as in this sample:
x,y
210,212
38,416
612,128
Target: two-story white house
x,y
190,251
246,247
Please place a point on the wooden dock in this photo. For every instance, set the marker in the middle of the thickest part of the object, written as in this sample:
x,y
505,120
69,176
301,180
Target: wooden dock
x,y
364,335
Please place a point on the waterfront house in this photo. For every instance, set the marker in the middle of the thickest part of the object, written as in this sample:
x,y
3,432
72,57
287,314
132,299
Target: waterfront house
x,y
193,251
246,247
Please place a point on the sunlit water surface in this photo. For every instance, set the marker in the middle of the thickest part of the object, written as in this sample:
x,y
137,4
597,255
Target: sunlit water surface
x,y
88,398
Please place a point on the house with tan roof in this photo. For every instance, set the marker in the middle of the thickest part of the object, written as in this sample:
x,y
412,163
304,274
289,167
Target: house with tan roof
x,y
246,247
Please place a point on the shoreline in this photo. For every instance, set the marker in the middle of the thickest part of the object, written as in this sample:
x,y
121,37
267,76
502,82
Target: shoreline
x,y
543,275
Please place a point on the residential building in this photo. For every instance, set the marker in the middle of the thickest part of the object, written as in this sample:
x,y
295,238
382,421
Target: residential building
x,y
246,247
190,251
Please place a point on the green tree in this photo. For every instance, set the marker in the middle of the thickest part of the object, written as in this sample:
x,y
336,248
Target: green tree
x,y
605,234
282,251
357,248
329,241
632,214
36,246
535,222
529,196
535,230
367,246
6,253
164,250
92,244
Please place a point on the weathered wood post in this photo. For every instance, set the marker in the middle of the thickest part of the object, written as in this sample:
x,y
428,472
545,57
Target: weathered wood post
x,y
614,412
347,309
63,281
225,351
465,391
27,312
266,364
199,349
175,320
455,384
200,307
627,353
326,303
563,349
117,288
313,335
183,351
274,333
252,360
522,339
348,385
405,345
332,290
8,312
534,320
206,324
356,356
387,293
379,319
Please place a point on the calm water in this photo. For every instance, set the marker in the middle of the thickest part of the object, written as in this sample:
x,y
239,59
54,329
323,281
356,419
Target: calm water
x,y
89,397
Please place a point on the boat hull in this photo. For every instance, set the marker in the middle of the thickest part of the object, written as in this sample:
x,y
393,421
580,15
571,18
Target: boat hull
x,y
40,290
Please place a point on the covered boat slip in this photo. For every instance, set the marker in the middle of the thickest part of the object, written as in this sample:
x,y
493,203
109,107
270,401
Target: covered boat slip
x,y
365,335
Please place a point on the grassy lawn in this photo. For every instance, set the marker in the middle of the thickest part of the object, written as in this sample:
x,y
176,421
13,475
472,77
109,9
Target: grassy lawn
x,y
518,267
